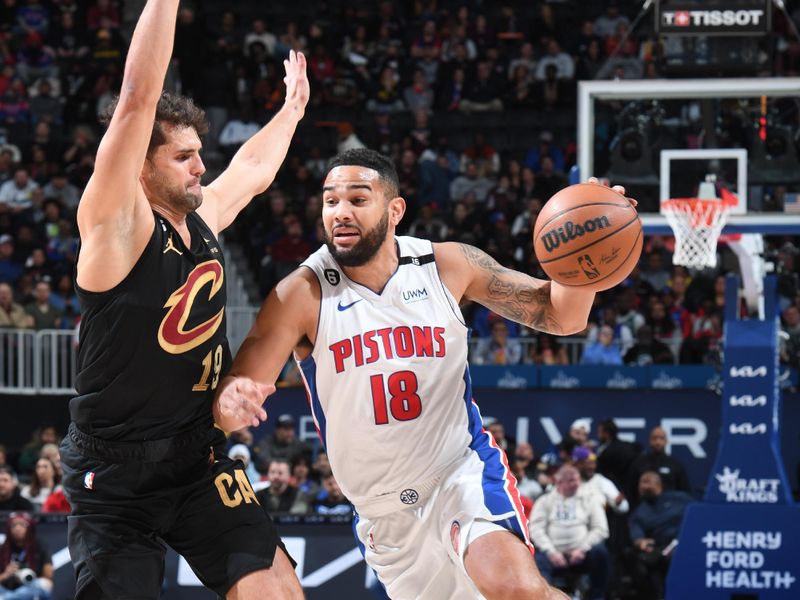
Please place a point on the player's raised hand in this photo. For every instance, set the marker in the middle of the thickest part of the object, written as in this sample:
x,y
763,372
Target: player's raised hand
x,y
238,403
296,80
617,188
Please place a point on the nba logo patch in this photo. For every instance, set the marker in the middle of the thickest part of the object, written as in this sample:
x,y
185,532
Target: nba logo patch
x,y
88,480
455,536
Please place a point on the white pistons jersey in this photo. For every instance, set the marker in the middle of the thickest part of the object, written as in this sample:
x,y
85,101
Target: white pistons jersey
x,y
388,381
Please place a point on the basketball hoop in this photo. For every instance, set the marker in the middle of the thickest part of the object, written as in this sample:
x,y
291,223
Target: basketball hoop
x,y
697,224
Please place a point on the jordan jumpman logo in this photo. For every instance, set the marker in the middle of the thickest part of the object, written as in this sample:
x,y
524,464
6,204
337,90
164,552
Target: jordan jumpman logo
x,y
171,246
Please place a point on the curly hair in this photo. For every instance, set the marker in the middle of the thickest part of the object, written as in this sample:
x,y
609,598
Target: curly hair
x,y
172,109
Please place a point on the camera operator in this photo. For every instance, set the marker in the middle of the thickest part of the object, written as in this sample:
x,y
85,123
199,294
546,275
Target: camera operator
x,y
26,570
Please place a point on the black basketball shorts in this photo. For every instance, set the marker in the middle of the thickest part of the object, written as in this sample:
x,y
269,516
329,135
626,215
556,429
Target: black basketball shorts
x,y
128,498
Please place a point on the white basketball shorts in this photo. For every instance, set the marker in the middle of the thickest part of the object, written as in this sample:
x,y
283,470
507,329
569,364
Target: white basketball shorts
x,y
417,552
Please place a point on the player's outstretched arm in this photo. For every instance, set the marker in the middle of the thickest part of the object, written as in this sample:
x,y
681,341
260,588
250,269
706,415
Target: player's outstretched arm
x,y
286,321
114,216
543,305
255,164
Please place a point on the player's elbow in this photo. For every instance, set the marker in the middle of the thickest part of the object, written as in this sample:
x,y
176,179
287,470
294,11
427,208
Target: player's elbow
x,y
566,322
574,326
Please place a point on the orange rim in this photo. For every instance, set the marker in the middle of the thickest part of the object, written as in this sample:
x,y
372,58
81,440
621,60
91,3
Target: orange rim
x,y
703,210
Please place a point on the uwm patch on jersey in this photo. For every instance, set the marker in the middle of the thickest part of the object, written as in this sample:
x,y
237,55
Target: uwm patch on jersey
x,y
203,283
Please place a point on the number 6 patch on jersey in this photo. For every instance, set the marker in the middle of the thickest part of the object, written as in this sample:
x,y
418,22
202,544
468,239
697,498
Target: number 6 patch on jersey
x,y
333,277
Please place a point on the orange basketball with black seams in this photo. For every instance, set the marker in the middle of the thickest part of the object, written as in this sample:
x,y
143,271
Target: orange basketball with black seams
x,y
588,237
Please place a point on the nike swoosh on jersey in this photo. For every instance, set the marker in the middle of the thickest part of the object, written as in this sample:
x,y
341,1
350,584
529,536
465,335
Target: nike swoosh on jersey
x,y
341,306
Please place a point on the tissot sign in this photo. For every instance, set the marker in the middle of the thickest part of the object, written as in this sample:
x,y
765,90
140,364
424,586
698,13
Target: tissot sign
x,y
713,18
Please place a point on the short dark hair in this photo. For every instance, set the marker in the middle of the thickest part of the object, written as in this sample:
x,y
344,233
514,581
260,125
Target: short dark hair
x,y
610,427
172,109
364,157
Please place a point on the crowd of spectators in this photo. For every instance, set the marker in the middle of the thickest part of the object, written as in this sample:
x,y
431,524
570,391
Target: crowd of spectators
x,y
448,89
604,514
429,83
595,506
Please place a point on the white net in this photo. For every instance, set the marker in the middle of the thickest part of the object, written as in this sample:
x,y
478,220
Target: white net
x,y
697,225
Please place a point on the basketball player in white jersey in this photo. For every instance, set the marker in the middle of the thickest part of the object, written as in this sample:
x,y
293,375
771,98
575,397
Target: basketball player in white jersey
x,y
373,320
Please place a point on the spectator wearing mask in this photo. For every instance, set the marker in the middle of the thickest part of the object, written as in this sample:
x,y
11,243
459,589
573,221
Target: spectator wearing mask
x,y
282,443
26,569
654,527
569,528
670,470
10,497
281,496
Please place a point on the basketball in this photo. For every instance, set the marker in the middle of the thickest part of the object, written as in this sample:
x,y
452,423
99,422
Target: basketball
x,y
588,236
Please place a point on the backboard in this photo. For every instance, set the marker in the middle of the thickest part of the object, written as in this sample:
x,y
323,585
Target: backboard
x,y
641,111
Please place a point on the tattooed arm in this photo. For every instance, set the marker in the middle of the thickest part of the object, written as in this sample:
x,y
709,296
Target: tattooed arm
x,y
544,305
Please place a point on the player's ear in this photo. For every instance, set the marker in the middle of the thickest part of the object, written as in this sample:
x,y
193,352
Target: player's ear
x,y
397,208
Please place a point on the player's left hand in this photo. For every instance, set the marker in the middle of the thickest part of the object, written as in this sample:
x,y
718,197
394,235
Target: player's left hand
x,y
296,80
617,188
238,403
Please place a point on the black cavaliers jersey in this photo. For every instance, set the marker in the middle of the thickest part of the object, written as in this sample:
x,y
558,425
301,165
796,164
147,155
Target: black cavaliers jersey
x,y
153,349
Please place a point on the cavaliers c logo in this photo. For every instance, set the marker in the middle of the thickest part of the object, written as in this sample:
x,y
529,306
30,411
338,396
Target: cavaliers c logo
x,y
172,336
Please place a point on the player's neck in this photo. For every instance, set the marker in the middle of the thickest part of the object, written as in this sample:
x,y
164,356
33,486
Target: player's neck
x,y
176,219
376,273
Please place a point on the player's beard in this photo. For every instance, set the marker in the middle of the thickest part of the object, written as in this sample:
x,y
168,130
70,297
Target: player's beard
x,y
182,200
176,196
361,253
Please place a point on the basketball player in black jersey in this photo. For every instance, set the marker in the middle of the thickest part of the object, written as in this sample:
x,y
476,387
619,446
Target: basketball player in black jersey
x,y
142,461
